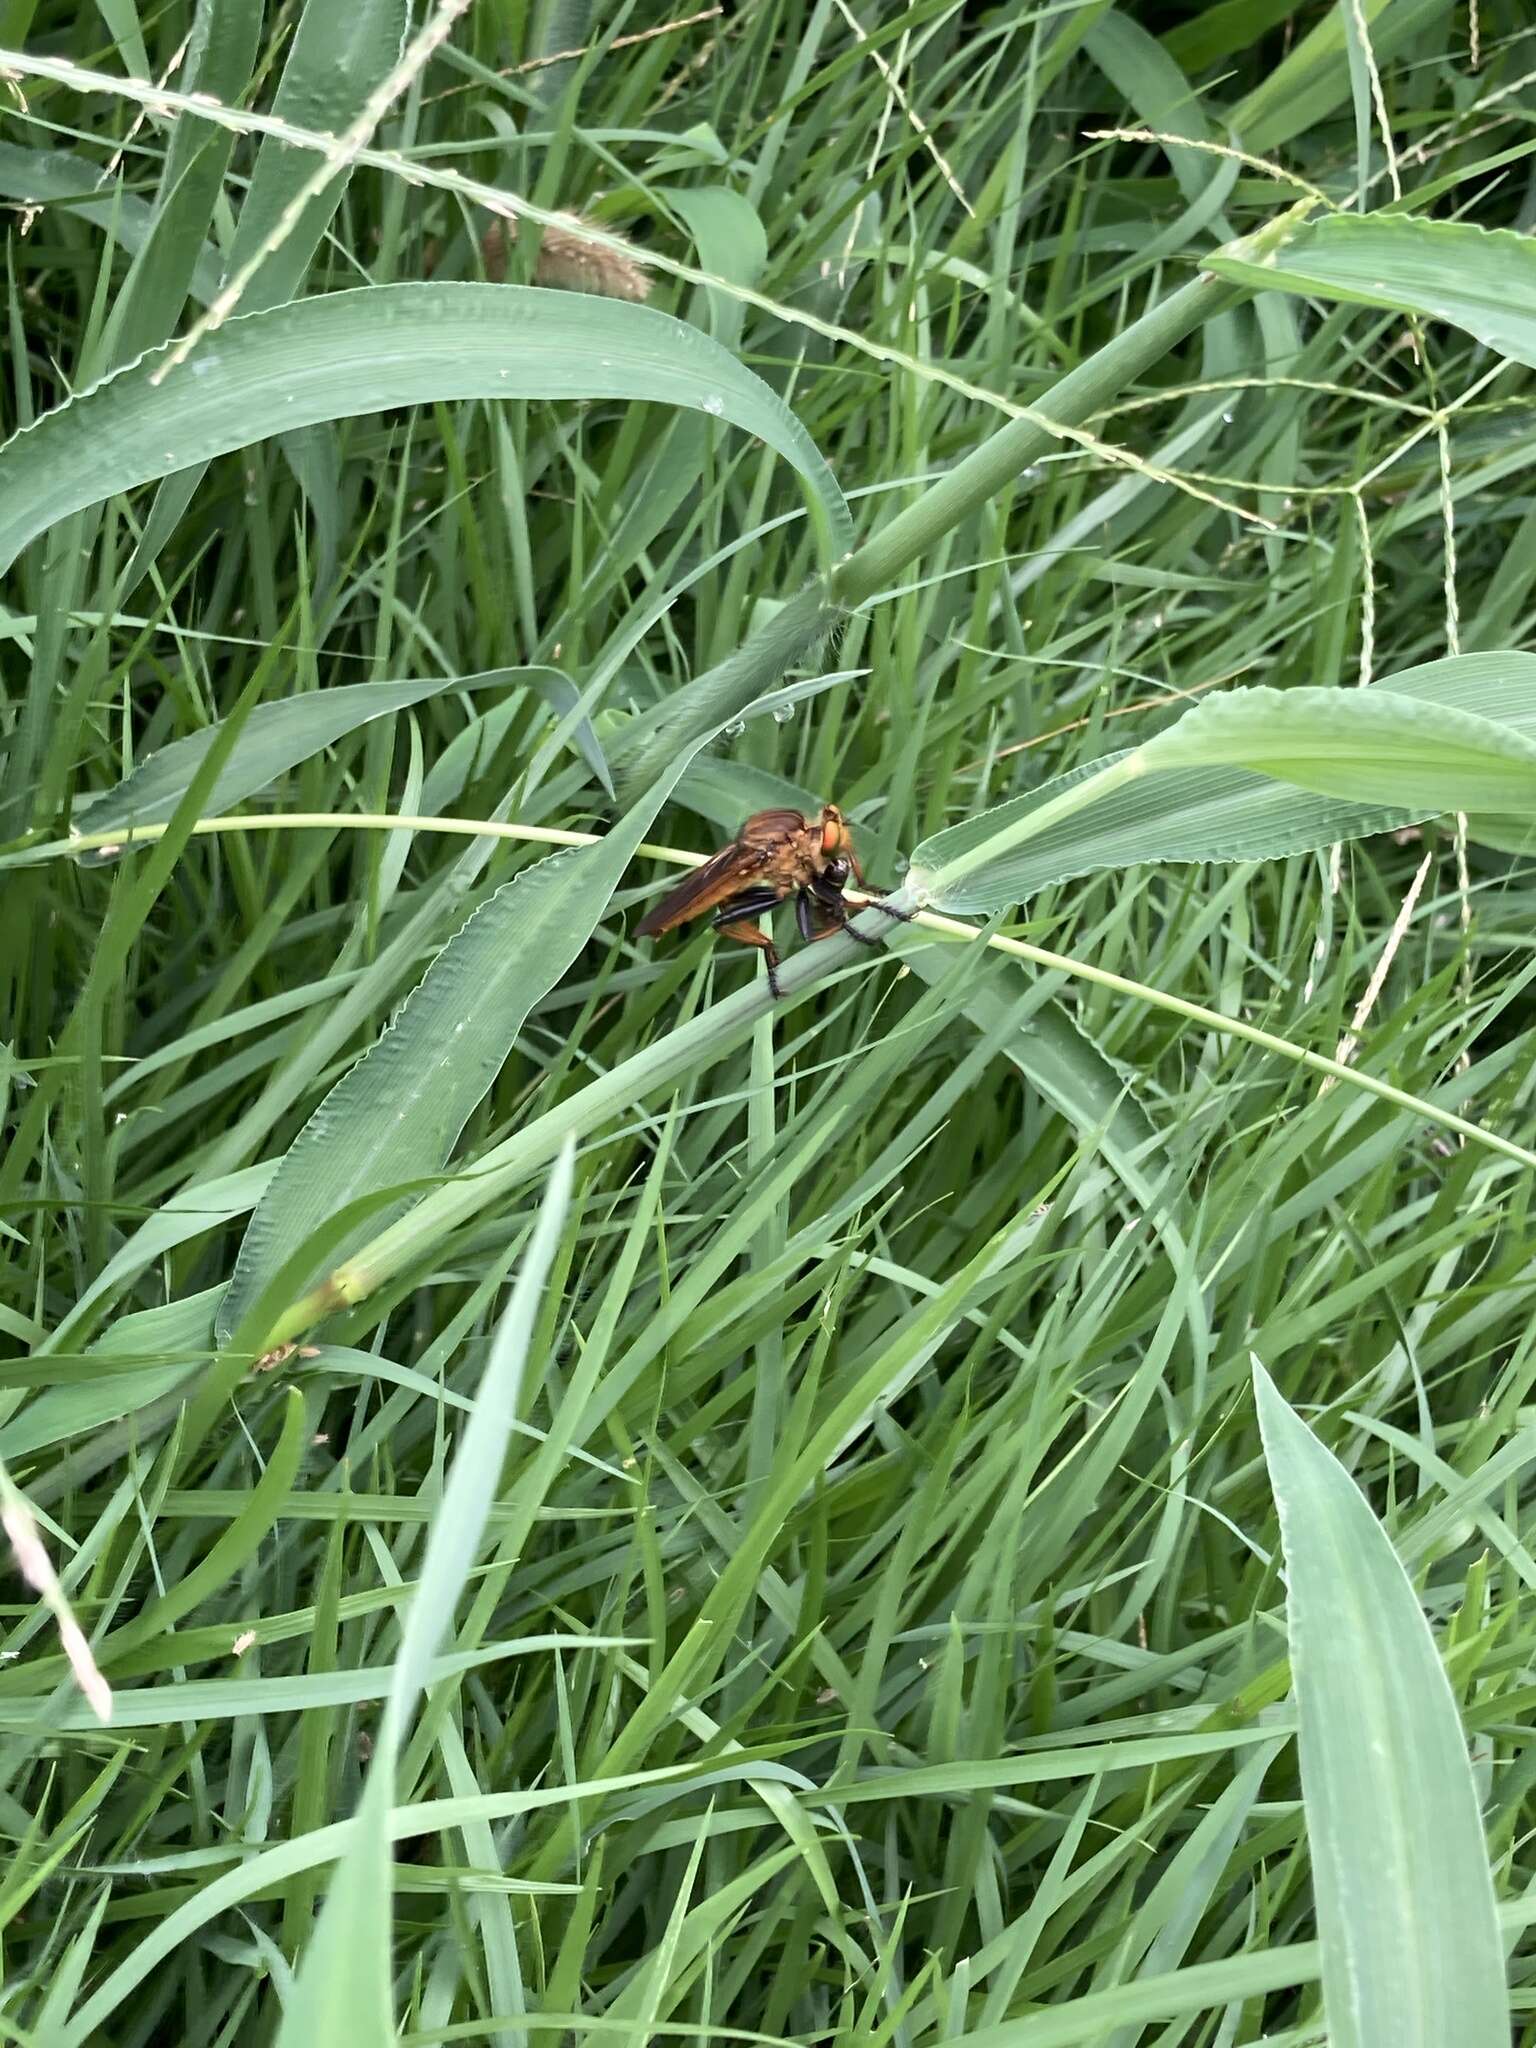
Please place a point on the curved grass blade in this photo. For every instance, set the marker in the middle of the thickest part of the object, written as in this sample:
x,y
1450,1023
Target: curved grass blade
x,y
1482,280
365,351
1360,747
657,735
338,56
1405,1907
1449,735
277,737
226,1699
1188,814
394,1118
168,1345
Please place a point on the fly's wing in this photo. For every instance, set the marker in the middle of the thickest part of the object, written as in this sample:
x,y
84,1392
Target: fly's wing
x,y
734,868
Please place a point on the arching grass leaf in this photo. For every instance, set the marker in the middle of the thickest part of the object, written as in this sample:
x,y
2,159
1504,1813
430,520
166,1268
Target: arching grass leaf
x,y
276,737
394,1118
1480,279
1258,774
364,351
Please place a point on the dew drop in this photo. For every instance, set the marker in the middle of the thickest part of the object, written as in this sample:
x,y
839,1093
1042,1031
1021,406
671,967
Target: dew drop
x,y
783,713
1229,417
714,406
735,729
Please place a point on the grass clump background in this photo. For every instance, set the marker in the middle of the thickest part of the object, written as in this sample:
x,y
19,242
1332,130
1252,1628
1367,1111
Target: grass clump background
x,y
986,1501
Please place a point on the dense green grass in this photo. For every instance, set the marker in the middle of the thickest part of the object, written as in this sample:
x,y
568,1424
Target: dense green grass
x,y
887,1516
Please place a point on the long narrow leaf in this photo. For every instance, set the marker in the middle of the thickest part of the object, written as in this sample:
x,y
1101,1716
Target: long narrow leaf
x,y
1258,774
1405,1908
1480,279
337,57
343,1984
277,737
365,351
394,1118
273,739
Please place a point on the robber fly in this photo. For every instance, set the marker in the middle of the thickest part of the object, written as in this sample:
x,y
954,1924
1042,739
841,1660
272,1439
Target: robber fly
x,y
775,855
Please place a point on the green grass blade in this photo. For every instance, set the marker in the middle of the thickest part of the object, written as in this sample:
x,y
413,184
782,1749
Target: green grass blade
x,y
1313,78
342,1992
1360,746
1180,815
60,178
473,1478
1480,279
219,59
337,57
1255,774
395,1117
365,351
273,739
172,1341
1411,1948
344,1977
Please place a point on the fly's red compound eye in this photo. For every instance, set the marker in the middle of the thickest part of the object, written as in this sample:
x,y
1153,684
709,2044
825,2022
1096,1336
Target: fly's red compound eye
x,y
833,833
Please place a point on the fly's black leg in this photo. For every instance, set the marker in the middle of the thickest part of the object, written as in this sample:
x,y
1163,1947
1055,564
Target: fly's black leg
x,y
751,903
829,901
803,916
829,895
864,938
738,920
